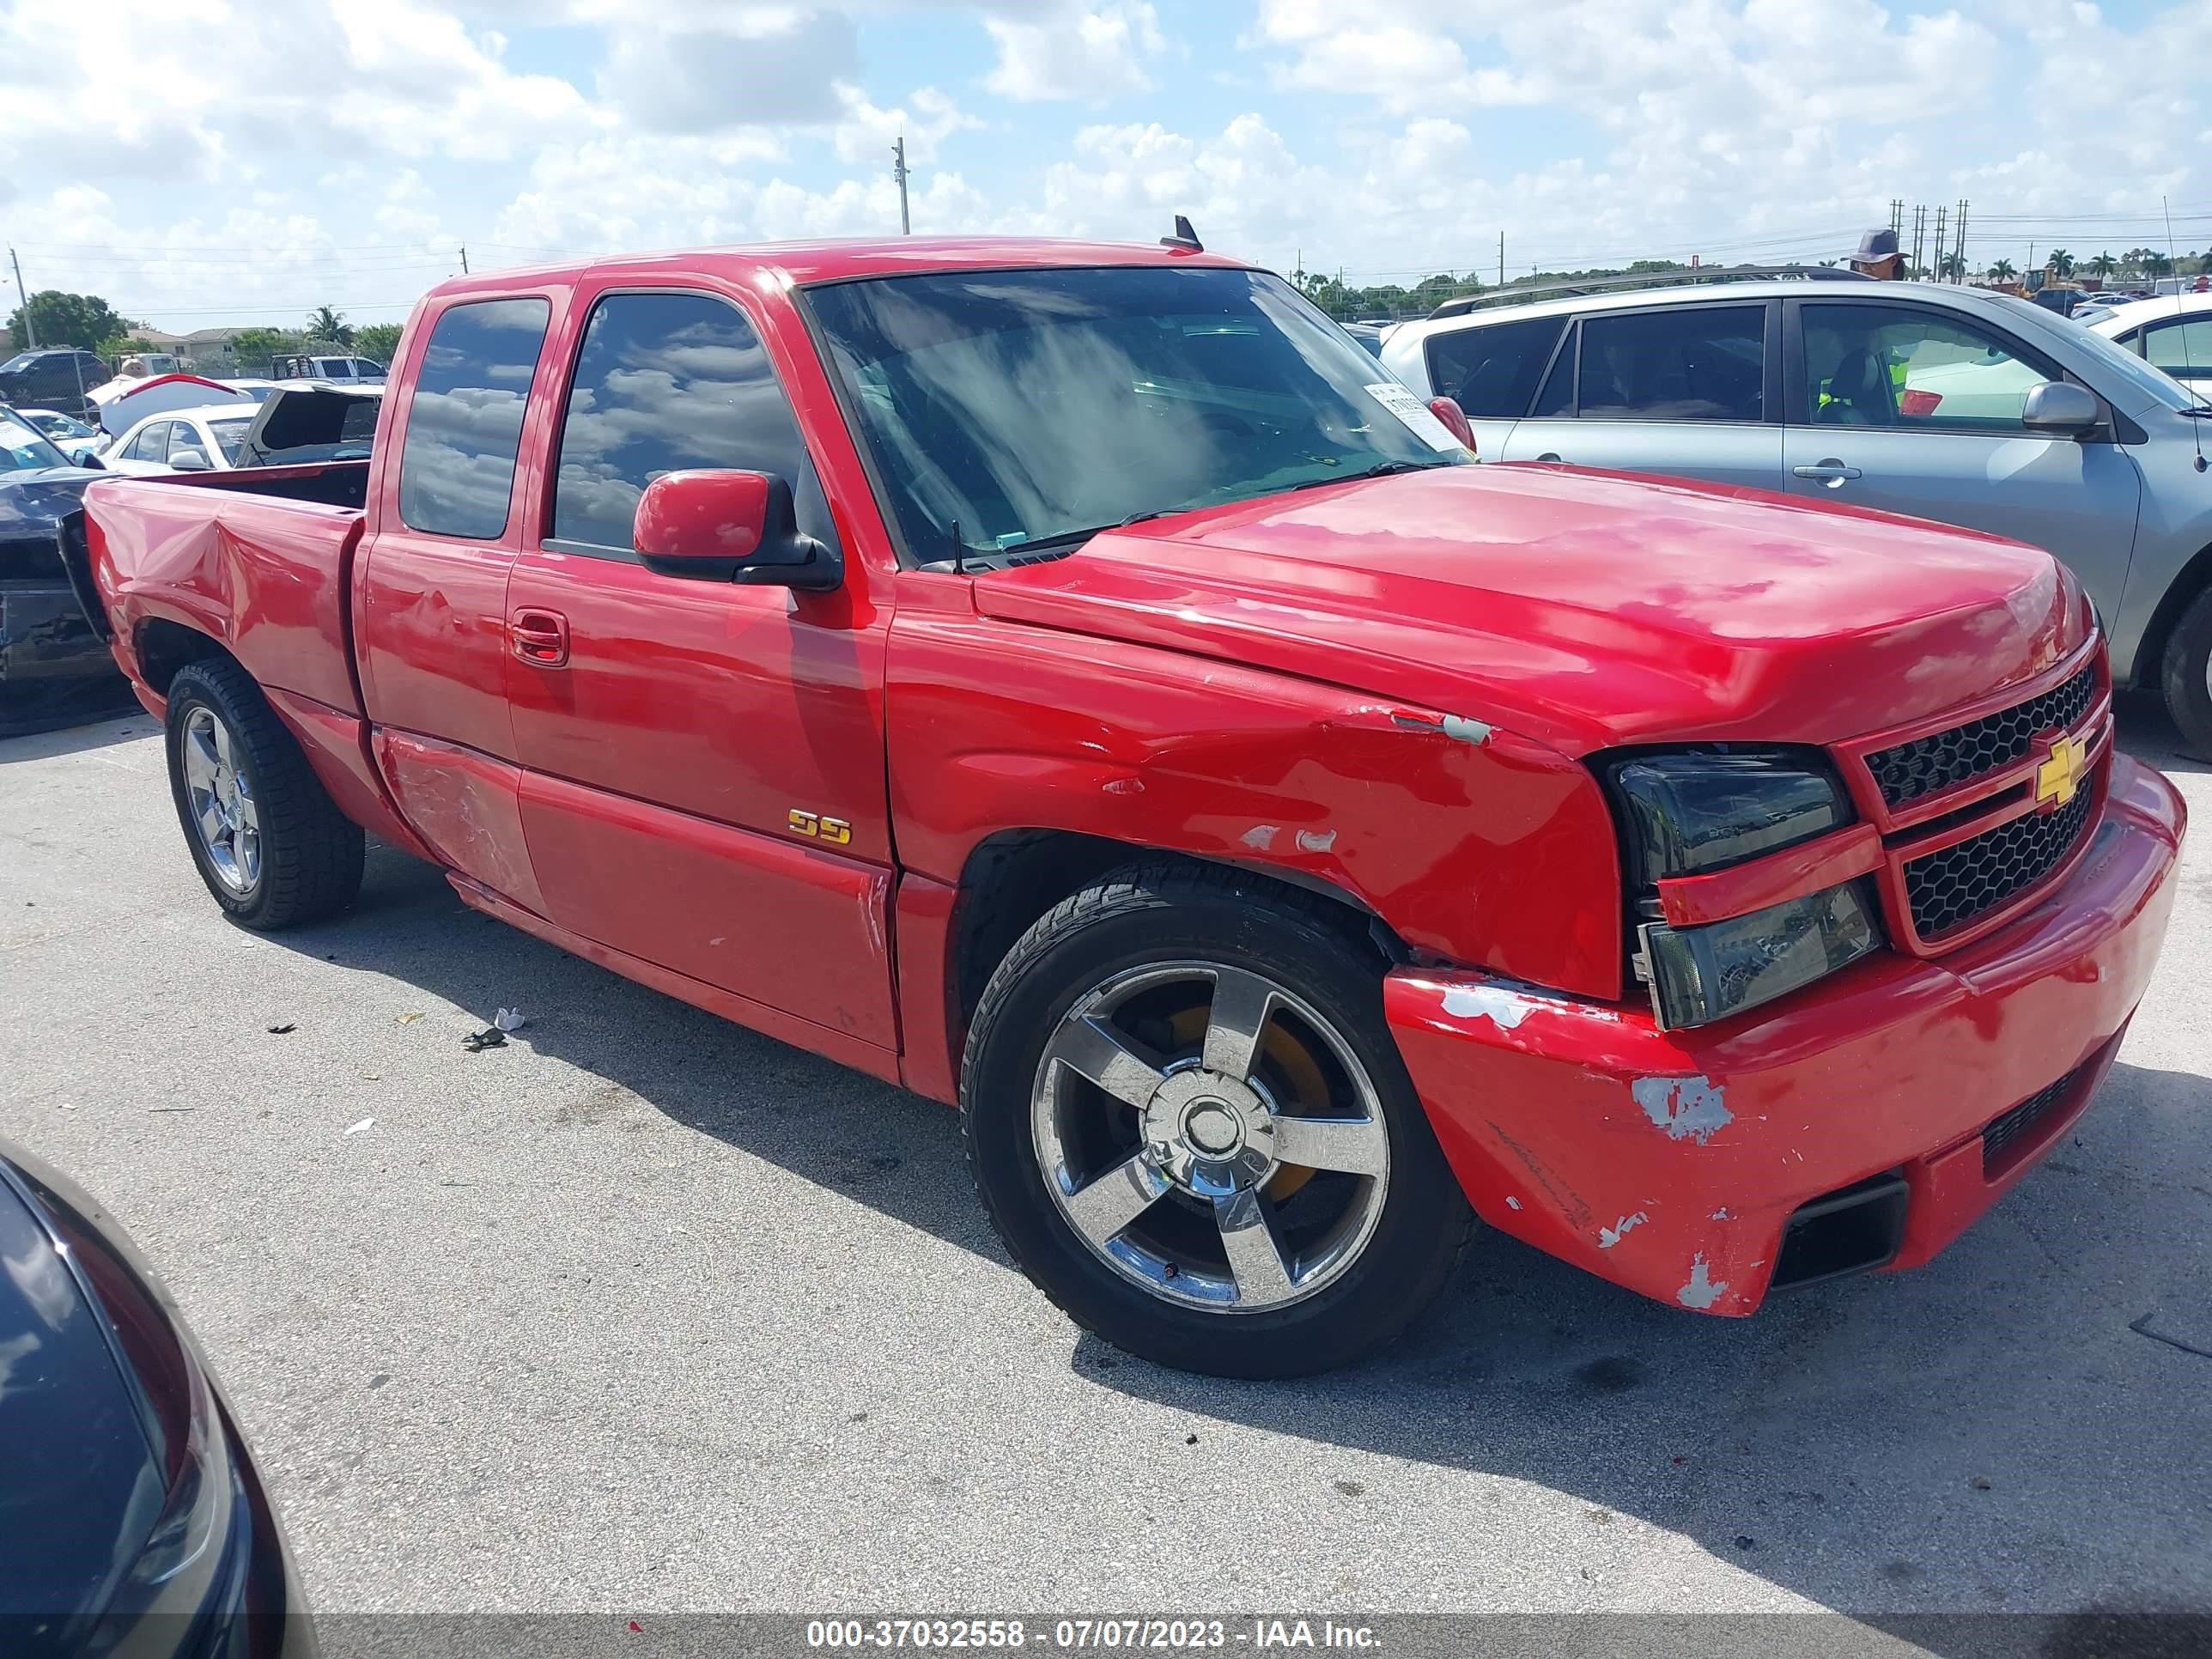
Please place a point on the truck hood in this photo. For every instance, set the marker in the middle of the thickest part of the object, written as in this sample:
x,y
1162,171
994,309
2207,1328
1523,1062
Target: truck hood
x,y
1583,609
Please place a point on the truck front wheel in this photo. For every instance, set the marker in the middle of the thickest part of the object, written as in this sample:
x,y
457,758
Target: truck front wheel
x,y
1190,1127
269,843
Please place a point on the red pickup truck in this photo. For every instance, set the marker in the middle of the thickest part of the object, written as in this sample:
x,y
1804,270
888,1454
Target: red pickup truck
x,y
1071,682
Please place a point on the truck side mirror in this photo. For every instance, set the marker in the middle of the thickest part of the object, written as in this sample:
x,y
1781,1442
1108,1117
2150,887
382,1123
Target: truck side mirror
x,y
2061,409
730,526
1447,410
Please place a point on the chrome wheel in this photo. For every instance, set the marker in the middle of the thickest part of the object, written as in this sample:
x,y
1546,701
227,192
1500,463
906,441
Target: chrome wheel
x,y
1211,1136
221,802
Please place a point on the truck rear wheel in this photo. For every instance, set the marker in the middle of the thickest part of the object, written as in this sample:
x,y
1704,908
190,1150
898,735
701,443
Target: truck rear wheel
x,y
2188,675
1191,1128
269,843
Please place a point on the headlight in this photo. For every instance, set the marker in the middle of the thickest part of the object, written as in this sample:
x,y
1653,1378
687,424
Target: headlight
x,y
1693,813
1688,813
1699,974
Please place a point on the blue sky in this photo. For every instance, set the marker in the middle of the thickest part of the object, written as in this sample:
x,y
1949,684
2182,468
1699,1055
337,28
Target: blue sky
x,y
205,162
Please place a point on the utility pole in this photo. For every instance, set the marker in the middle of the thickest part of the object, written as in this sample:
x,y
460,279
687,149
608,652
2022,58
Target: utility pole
x,y
1897,217
30,328
899,173
1942,214
1919,233
465,258
1501,258
1959,241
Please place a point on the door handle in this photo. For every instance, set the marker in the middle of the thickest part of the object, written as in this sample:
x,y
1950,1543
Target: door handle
x,y
1829,472
540,638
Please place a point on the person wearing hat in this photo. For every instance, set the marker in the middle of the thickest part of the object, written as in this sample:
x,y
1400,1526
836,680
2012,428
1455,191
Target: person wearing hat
x,y
1878,255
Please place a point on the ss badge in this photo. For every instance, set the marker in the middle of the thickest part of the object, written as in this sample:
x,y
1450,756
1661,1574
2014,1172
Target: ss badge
x,y
836,831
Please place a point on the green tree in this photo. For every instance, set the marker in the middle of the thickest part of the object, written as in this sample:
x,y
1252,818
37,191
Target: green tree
x,y
2060,262
253,348
2158,265
331,325
2001,269
67,320
377,341
2103,266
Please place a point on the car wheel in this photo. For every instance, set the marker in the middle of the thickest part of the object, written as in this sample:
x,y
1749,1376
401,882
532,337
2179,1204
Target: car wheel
x,y
2188,675
1189,1126
269,843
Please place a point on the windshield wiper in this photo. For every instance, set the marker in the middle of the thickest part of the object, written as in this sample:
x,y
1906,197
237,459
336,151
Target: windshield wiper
x,y
1073,538
1379,469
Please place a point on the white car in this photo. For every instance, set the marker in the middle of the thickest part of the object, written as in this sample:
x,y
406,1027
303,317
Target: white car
x,y
73,437
207,440
337,371
2174,332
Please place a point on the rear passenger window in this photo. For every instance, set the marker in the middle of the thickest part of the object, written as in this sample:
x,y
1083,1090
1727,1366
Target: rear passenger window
x,y
464,422
663,383
1684,363
1490,371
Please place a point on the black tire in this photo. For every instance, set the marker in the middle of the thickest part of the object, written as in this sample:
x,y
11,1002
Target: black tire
x,y
2185,673
1161,913
311,854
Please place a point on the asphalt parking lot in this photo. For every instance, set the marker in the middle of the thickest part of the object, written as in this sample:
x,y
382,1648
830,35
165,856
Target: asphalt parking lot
x,y
644,1312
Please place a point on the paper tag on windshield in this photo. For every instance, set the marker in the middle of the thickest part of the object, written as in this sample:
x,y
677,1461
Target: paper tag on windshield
x,y
1415,414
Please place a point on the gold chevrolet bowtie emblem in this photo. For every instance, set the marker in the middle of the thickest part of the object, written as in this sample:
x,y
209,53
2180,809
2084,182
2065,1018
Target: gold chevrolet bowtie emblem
x,y
2060,775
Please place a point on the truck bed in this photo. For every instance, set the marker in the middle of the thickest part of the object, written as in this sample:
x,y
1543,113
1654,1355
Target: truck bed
x,y
260,560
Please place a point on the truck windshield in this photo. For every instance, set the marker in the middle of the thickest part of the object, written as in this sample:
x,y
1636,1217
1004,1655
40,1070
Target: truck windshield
x,y
1034,408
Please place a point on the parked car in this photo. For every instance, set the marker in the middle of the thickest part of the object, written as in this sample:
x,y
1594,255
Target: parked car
x,y
73,437
121,404
183,440
2173,334
339,371
132,1518
60,378
1951,403
306,421
1066,679
55,669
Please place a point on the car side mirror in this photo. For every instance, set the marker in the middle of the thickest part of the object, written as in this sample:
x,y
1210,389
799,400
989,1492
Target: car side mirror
x,y
91,462
2061,409
730,526
191,460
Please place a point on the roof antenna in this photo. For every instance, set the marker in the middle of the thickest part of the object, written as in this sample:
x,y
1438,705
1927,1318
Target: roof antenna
x,y
1185,237
2196,423
959,551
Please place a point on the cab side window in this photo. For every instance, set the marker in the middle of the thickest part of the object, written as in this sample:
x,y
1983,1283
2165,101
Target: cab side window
x,y
663,382
1490,371
464,421
1897,366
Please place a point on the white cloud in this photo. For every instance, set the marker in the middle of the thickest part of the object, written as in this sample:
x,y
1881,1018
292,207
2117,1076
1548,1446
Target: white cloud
x,y
1075,51
759,67
863,136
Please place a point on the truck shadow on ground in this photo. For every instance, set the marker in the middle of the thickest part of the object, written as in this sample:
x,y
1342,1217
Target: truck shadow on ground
x,y
1972,1436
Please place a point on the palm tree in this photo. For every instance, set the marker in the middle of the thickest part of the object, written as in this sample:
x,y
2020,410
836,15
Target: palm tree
x,y
1952,268
2158,265
2001,269
2060,262
328,325
2103,266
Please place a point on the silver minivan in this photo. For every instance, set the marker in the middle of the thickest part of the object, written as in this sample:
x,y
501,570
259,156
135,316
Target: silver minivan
x,y
1951,403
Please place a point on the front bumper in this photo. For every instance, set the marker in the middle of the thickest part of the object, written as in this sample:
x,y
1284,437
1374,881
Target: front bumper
x,y
1670,1162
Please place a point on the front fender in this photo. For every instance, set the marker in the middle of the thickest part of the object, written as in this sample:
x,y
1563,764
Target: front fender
x,y
1475,845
